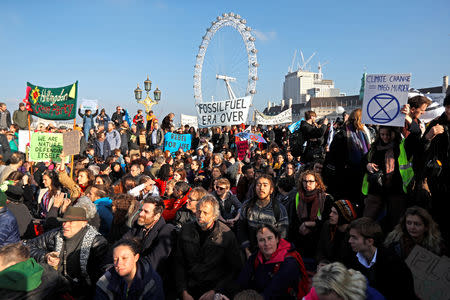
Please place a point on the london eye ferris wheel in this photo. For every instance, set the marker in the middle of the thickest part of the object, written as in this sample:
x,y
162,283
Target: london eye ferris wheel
x,y
231,58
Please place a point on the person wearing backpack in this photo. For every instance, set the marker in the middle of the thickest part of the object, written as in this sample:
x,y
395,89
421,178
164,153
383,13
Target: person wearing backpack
x,y
261,209
276,270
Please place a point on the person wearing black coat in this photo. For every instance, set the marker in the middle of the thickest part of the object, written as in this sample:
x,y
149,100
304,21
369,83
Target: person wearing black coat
x,y
157,237
383,269
80,248
5,150
313,134
207,259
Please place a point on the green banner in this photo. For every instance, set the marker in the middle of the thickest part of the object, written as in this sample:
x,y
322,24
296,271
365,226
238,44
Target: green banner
x,y
46,146
52,103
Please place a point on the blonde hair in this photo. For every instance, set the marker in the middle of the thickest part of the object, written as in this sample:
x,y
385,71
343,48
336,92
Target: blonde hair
x,y
336,278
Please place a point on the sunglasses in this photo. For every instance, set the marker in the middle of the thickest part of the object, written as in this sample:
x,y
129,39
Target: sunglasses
x,y
220,188
309,181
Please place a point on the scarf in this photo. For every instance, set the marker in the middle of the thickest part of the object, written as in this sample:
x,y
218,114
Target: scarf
x,y
357,143
308,197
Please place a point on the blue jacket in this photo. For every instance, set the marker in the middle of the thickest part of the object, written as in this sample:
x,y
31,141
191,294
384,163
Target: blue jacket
x,y
146,285
9,229
104,210
88,121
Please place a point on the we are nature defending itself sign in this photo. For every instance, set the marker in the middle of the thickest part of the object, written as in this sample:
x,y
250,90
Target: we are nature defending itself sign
x,y
46,146
53,103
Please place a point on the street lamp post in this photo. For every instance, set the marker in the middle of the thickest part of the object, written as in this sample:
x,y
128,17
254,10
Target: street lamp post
x,y
147,102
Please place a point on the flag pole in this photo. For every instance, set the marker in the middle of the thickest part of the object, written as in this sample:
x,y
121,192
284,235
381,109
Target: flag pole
x,y
71,164
29,142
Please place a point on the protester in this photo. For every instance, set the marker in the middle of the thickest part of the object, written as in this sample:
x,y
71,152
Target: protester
x,y
20,117
334,281
9,229
131,277
416,227
274,270
207,258
384,271
76,250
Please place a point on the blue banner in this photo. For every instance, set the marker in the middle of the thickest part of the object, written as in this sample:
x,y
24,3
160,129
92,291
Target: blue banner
x,y
173,142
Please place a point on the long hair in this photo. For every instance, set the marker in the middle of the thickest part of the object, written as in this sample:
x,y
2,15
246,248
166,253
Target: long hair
x,y
320,186
335,278
355,119
55,185
432,238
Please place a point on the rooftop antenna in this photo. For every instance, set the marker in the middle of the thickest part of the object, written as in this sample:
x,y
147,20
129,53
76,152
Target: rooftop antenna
x,y
291,68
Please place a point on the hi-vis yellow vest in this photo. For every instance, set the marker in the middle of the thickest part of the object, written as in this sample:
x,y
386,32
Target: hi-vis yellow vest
x,y
406,171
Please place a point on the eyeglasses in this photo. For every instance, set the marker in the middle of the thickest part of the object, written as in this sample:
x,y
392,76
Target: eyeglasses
x,y
191,200
220,188
309,181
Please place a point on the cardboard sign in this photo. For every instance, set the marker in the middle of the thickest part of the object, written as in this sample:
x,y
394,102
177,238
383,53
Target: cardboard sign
x,y
384,97
220,113
46,146
242,148
142,140
173,142
431,274
89,104
192,121
71,143
24,140
281,118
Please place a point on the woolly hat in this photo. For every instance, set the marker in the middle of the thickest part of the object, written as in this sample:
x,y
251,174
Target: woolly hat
x,y
345,210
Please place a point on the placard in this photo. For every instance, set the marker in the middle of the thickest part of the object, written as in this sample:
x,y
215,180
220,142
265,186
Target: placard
x,y
431,274
220,113
24,140
173,142
89,104
192,121
46,146
281,118
384,96
242,148
71,142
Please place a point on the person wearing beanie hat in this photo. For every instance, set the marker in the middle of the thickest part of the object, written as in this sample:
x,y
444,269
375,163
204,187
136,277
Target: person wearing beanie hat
x,y
9,229
437,167
333,242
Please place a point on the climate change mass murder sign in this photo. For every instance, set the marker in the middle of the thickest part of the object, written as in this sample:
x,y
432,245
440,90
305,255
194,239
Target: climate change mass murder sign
x,y
173,142
384,96
220,113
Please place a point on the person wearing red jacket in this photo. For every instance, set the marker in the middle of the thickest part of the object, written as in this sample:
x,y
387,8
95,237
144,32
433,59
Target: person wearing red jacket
x,y
180,192
138,120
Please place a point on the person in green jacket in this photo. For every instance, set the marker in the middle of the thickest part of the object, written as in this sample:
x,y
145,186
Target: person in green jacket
x,y
20,117
21,277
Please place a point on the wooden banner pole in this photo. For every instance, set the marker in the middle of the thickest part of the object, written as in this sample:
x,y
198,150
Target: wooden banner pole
x,y
71,164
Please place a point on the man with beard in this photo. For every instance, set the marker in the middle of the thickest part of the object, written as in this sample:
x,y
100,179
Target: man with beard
x,y
207,257
157,236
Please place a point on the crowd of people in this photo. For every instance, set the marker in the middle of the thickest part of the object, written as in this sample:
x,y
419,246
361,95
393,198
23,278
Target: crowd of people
x,y
330,211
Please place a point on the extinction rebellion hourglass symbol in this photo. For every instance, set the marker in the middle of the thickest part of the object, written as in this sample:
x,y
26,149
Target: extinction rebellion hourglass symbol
x,y
383,108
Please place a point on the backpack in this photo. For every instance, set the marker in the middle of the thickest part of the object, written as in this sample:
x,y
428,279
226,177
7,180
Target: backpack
x,y
304,284
296,141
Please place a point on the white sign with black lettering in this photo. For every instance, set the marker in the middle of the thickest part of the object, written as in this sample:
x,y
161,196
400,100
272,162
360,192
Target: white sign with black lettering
x,y
384,97
281,118
221,113
192,121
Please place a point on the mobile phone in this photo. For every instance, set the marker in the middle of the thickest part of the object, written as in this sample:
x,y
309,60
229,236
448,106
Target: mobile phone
x,y
65,195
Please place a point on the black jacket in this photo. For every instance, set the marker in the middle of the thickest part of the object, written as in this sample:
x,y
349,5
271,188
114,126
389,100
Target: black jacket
x,y
389,275
156,245
213,265
95,267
